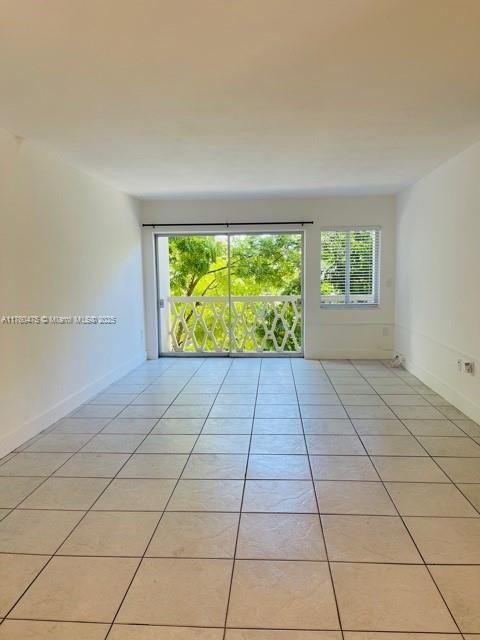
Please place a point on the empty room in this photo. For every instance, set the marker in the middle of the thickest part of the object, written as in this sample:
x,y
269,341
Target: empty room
x,y
240,320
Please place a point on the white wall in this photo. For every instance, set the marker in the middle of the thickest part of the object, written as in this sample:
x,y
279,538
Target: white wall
x,y
438,278
69,245
329,333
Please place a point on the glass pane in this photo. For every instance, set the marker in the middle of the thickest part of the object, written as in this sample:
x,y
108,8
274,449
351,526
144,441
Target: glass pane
x,y
265,276
332,268
362,257
198,310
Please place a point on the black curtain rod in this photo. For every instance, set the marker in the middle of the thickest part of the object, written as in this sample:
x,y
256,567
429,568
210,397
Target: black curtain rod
x,y
225,224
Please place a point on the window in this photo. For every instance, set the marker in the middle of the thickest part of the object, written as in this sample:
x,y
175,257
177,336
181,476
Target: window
x,y
349,267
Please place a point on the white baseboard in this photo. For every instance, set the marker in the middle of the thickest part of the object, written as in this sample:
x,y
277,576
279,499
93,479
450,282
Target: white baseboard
x,y
350,354
455,397
14,439
425,354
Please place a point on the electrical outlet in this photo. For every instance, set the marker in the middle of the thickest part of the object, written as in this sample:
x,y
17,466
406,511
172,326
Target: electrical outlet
x,y
469,367
397,360
459,364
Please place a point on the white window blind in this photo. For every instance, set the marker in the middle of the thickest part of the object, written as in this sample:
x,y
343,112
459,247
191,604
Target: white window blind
x,y
350,267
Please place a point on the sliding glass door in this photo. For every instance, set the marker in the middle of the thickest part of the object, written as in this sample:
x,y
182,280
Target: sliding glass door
x,y
230,294
266,293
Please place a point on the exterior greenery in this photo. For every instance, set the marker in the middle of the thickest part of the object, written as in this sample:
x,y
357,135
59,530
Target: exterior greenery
x,y
260,265
357,247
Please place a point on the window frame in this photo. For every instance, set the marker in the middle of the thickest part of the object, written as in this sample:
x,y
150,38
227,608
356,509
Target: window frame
x,y
376,278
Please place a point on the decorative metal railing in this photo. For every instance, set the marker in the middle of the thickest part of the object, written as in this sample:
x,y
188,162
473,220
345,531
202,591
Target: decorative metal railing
x,y
236,323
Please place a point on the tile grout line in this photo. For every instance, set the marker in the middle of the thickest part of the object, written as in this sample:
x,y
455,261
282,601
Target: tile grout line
x,y
411,536
141,559
433,459
254,558
416,437
325,513
337,607
203,627
248,455
85,512
408,530
227,608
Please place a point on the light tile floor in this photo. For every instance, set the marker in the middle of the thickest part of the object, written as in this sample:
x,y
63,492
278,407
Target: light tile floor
x,y
246,499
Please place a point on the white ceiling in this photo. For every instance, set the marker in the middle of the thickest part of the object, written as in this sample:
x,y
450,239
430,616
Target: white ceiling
x,y
192,97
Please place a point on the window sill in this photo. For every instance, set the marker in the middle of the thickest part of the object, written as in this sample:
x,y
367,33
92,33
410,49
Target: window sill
x,y
337,307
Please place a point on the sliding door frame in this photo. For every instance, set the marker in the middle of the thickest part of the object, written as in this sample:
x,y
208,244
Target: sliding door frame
x,y
229,234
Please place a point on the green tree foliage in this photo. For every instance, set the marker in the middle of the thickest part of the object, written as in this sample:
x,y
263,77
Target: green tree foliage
x,y
362,246
360,249
333,261
260,265
197,265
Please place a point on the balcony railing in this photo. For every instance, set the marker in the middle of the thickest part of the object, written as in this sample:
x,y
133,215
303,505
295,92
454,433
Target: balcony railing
x,y
237,323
